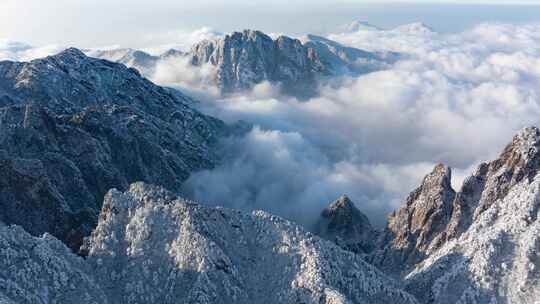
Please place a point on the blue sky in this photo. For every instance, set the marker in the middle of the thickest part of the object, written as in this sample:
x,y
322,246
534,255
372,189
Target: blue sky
x,y
99,22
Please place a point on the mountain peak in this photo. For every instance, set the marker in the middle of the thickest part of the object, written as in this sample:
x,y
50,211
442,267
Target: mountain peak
x,y
415,28
71,52
439,178
343,202
526,142
342,223
248,34
359,25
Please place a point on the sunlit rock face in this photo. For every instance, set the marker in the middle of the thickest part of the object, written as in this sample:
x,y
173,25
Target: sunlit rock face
x,y
72,127
411,230
489,251
486,242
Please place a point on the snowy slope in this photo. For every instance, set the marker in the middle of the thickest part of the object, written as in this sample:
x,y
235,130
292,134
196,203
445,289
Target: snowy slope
x,y
490,250
151,247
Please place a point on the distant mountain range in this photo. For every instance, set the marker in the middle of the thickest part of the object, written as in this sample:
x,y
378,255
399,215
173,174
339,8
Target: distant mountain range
x,y
244,59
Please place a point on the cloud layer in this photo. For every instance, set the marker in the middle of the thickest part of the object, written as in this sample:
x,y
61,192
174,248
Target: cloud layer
x,y
455,99
452,98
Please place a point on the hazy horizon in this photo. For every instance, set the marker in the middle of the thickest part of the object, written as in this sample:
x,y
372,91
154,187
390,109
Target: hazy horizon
x,y
137,25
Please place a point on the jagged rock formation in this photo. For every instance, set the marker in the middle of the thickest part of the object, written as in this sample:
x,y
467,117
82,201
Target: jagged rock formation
x,y
411,230
342,223
244,59
72,127
151,247
479,245
250,57
490,249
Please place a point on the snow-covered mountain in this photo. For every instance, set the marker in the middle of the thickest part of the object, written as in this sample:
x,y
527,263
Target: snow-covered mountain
x,y
250,57
72,127
359,25
152,247
342,60
140,60
478,245
244,59
415,28
489,251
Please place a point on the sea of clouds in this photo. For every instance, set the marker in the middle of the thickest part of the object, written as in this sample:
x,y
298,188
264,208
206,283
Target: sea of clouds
x,y
453,98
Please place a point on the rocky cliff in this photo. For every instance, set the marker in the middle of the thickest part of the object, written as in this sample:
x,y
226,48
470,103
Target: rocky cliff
x,y
478,245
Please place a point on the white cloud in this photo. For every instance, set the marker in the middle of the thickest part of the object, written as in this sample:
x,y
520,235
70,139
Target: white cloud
x,y
179,39
18,51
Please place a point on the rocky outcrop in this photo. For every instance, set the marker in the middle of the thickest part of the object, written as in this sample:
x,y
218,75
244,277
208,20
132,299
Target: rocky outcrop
x,y
342,223
412,230
152,247
520,161
72,127
477,246
495,261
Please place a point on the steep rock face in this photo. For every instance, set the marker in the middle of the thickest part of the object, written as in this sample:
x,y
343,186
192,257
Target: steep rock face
x,y
495,261
411,230
152,247
72,127
342,223
492,242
